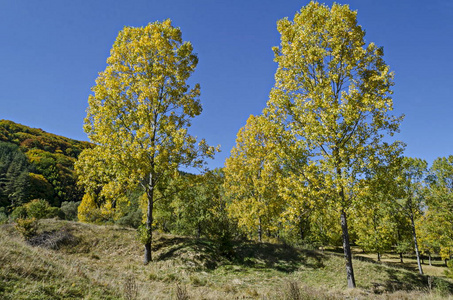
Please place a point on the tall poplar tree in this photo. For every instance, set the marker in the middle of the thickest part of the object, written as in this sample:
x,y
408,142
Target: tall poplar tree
x,y
138,117
333,94
376,215
438,217
251,173
412,192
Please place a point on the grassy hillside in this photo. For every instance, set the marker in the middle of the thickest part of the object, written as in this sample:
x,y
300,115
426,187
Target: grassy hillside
x,y
70,260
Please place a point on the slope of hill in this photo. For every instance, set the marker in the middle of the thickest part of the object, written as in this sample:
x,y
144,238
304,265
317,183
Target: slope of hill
x,y
70,260
50,165
34,138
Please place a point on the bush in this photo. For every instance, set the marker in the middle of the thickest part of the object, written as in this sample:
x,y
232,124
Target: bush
x,y
449,270
88,211
3,218
39,209
131,219
55,212
27,227
69,210
441,286
19,212
143,235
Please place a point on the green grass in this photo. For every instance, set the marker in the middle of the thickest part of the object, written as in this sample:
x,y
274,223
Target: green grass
x,y
105,262
437,267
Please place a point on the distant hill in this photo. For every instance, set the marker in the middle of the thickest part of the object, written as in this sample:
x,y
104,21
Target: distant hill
x,y
35,138
49,168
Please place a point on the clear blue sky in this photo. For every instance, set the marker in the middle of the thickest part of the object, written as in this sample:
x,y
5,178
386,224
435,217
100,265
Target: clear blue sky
x,y
52,51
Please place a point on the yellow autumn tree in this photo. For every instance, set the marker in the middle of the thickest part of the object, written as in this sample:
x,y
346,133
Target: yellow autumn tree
x,y
411,196
87,210
251,174
376,216
437,223
332,93
138,115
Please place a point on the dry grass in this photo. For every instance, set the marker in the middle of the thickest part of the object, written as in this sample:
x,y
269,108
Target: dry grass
x,y
105,262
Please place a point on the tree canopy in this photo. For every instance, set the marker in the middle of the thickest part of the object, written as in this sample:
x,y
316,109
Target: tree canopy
x,y
138,116
332,98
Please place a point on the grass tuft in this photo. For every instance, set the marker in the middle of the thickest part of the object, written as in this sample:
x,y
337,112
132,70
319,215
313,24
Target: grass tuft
x,y
130,288
293,291
181,292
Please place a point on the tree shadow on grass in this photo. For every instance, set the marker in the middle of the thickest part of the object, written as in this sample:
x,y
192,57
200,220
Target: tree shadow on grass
x,y
280,257
412,281
403,266
198,253
406,281
396,265
207,255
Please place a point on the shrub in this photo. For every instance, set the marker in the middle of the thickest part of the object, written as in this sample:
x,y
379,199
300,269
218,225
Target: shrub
x,y
27,227
88,211
3,218
19,212
39,209
55,212
143,235
69,210
441,286
449,270
131,219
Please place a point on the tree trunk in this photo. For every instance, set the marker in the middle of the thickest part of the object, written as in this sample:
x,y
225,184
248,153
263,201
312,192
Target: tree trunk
x,y
376,239
401,257
347,251
429,257
198,230
344,227
148,256
260,232
301,229
149,220
149,231
417,253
